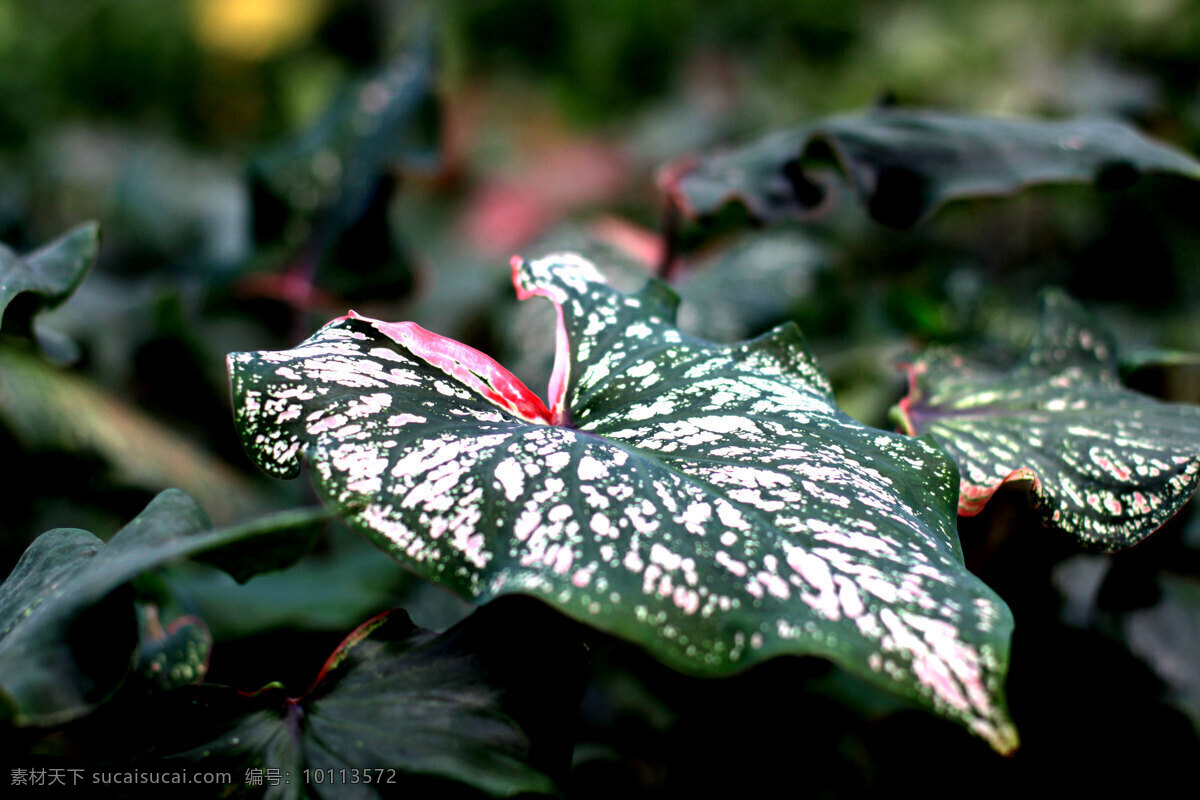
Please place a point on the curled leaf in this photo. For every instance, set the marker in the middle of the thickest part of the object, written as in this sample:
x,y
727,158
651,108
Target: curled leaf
x,y
44,278
172,656
905,164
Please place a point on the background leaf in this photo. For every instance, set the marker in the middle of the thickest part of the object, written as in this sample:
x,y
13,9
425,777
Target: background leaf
x,y
325,194
1107,464
44,278
708,502
67,624
466,706
905,164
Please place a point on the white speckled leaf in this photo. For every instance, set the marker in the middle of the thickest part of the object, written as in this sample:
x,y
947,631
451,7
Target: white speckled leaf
x,y
708,502
1107,464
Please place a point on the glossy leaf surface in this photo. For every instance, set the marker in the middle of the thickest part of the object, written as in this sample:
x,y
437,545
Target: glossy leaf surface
x,y
1106,464
708,502
68,628
400,699
904,165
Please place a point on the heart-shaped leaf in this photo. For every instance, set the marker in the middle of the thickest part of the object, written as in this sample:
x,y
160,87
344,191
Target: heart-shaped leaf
x,y
44,278
406,702
1107,464
906,164
68,627
708,502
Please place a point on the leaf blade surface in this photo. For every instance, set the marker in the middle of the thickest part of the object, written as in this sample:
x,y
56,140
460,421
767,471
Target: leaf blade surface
x,y
1107,464
708,502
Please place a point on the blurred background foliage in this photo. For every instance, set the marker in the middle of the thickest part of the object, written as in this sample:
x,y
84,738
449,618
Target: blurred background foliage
x,y
258,166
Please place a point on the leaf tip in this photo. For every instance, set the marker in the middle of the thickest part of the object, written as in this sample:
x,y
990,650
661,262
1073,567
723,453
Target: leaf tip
x,y
1002,736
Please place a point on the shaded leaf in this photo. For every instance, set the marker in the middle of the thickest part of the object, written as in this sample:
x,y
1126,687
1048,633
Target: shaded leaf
x,y
402,699
1106,464
1078,580
44,278
47,408
68,629
1157,357
329,188
1167,637
327,591
750,287
904,164
707,502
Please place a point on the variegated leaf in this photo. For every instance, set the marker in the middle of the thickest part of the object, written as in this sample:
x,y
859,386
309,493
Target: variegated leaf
x,y
708,502
1106,464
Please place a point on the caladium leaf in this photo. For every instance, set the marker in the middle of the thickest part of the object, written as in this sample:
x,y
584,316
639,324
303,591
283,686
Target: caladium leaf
x,y
707,502
68,628
905,164
44,278
407,702
1107,464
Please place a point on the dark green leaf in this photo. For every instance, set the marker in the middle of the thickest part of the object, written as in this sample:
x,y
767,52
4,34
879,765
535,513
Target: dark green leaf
x,y
330,590
404,700
44,278
68,630
904,165
708,502
1107,464
1157,357
329,189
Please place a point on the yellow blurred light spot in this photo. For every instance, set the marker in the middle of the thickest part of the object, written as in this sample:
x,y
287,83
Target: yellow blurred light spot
x,y
254,29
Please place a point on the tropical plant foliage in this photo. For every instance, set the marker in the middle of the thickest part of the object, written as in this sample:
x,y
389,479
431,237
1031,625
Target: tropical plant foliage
x,y
904,164
710,503
707,559
1107,464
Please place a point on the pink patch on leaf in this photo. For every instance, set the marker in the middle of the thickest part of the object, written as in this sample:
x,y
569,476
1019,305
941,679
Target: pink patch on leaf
x,y
478,371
